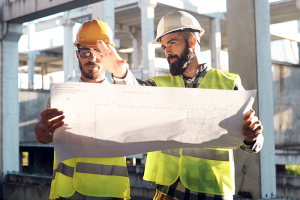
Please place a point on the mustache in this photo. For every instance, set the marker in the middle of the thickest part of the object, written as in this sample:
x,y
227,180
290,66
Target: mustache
x,y
91,63
172,56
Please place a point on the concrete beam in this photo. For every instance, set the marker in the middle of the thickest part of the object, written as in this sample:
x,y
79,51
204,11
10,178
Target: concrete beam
x,y
44,53
125,28
20,11
121,3
80,12
202,9
287,156
43,25
285,35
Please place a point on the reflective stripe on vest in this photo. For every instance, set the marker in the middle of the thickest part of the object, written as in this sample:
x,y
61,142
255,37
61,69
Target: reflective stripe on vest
x,y
208,154
83,177
92,168
64,169
208,171
172,152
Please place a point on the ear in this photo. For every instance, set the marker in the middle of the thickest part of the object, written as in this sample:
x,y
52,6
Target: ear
x,y
192,42
77,54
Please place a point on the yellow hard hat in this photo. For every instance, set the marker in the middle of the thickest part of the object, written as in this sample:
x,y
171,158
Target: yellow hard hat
x,y
91,31
176,21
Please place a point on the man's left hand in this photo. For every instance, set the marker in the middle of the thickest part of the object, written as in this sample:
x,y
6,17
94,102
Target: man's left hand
x,y
252,127
110,59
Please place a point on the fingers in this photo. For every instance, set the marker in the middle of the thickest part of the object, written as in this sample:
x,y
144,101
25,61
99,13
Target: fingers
x,y
252,127
50,111
249,114
95,53
114,51
102,47
52,119
254,130
52,127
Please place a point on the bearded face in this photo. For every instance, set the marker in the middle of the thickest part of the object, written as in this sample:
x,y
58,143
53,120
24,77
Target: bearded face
x,y
92,70
181,63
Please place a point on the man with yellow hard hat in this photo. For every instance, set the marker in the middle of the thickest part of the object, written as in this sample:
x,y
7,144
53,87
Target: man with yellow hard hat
x,y
194,173
88,178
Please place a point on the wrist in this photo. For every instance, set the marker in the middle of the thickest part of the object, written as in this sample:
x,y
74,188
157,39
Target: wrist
x,y
121,74
249,142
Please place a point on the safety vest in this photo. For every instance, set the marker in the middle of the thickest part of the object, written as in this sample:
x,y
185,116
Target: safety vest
x,y
201,170
96,177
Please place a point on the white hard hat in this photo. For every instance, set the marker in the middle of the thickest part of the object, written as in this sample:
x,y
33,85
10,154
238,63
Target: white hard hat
x,y
178,20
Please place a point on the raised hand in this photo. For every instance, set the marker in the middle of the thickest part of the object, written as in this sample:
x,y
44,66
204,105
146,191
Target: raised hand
x,y
110,59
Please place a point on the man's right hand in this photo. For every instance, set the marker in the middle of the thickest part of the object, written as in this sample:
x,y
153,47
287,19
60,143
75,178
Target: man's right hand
x,y
51,119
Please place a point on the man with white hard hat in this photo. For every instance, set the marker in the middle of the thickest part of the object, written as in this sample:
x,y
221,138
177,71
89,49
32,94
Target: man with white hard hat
x,y
194,173
88,178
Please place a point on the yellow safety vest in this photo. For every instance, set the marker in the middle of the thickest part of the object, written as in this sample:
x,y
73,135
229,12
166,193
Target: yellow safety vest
x,y
208,171
96,177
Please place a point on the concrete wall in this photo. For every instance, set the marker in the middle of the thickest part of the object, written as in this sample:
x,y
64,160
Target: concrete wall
x,y
31,104
288,186
286,94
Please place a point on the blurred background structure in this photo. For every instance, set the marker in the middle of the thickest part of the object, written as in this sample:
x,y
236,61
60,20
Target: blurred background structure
x,y
258,39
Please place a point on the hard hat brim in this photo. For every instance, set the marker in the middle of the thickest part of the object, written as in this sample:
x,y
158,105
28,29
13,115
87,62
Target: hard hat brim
x,y
155,41
92,44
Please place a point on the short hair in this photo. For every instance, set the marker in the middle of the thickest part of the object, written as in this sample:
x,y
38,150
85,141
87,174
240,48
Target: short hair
x,y
187,33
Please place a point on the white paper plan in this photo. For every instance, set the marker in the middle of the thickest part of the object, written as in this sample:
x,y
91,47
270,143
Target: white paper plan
x,y
119,120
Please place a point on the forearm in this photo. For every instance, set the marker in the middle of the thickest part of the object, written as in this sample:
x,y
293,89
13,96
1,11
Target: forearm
x,y
41,134
131,80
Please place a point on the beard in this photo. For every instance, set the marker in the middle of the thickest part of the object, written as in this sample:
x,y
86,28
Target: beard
x,y
182,62
92,74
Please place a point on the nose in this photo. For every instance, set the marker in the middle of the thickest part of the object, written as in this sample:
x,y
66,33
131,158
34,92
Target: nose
x,y
92,58
167,52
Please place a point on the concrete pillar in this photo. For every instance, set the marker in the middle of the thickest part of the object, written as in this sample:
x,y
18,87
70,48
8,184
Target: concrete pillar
x,y
105,11
31,56
298,43
44,73
215,43
76,65
135,53
31,63
30,35
138,36
249,52
9,65
68,47
147,22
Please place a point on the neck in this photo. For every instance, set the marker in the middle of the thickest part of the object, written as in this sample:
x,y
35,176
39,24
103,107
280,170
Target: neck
x,y
98,80
192,68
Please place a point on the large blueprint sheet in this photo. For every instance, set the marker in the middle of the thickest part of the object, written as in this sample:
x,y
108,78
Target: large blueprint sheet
x,y
118,120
